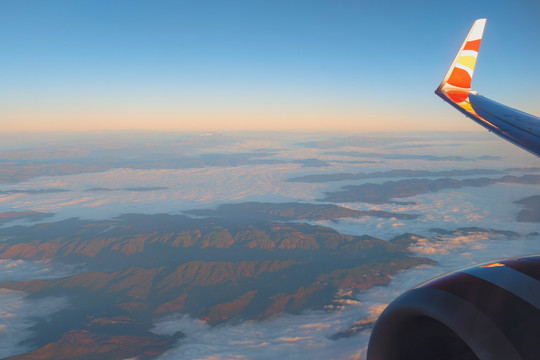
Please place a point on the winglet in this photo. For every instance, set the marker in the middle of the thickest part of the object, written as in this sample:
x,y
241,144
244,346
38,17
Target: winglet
x,y
513,125
457,82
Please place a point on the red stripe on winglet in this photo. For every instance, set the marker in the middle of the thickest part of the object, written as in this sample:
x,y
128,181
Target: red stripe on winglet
x,y
458,96
473,45
460,78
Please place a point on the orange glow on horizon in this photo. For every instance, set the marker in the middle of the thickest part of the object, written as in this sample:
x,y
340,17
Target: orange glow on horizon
x,y
229,119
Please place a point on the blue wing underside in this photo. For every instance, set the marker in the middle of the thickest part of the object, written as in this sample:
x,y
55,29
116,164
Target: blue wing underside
x,y
515,126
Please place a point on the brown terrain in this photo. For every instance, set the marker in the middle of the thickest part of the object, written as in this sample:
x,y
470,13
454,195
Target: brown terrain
x,y
142,267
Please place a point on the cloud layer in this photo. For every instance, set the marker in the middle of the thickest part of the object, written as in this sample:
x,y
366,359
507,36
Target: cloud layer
x,y
309,335
21,270
165,191
18,314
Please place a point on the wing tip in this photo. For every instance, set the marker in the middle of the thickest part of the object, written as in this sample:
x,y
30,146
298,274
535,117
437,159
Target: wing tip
x,y
477,29
460,73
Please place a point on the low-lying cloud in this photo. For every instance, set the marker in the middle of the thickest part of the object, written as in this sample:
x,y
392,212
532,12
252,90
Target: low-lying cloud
x,y
18,312
491,207
311,335
305,336
17,315
21,270
159,191
262,177
313,331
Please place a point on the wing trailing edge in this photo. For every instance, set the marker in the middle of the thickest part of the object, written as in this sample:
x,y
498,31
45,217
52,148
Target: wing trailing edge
x,y
519,128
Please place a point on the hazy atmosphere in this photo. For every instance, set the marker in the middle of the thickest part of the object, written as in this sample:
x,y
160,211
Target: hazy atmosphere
x,y
247,179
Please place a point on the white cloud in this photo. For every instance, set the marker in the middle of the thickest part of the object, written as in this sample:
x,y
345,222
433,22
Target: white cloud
x,y
21,270
185,189
304,336
18,314
307,336
491,207
289,336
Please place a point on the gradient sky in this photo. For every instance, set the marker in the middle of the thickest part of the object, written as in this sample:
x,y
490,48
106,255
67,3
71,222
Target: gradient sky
x,y
255,65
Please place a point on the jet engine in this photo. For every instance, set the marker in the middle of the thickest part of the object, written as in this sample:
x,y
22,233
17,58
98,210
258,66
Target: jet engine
x,y
489,311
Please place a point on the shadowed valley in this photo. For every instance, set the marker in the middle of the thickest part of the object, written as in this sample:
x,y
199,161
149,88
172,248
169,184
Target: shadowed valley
x,y
139,268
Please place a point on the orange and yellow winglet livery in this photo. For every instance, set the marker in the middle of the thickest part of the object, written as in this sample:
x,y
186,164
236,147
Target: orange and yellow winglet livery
x,y
515,126
456,85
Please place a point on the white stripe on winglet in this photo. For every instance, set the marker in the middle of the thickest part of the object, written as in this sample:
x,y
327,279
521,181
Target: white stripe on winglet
x,y
463,67
478,30
469,53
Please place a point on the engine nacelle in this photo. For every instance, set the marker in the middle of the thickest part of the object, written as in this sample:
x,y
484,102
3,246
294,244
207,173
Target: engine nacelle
x,y
489,311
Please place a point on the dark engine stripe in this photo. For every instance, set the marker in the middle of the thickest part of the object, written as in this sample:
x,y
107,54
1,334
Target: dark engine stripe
x,y
529,266
516,318
516,282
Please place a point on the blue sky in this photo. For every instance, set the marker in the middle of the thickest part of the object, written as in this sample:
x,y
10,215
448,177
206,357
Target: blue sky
x,y
217,65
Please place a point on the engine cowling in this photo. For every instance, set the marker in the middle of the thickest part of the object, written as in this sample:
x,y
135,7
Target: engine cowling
x,y
489,311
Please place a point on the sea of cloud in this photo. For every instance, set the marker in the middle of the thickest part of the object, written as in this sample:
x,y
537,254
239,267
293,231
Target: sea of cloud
x,y
308,335
22,270
115,192
304,336
491,207
174,190
18,312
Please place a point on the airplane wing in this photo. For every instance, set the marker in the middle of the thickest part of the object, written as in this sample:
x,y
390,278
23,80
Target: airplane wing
x,y
519,128
488,311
